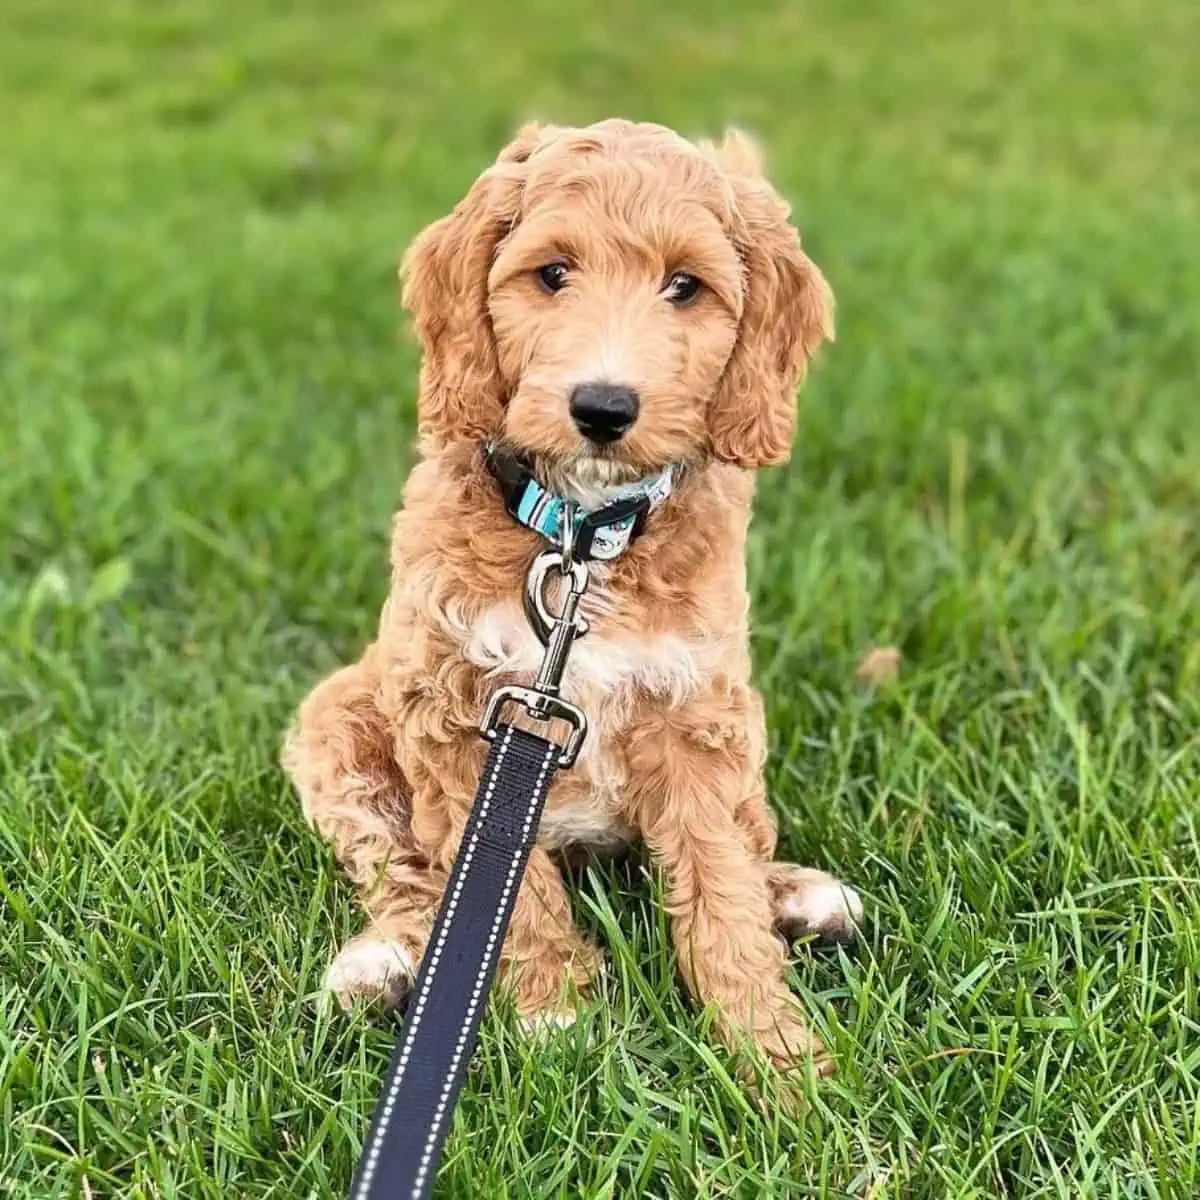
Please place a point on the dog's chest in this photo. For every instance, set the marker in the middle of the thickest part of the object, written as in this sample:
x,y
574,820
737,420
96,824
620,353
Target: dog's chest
x,y
606,673
604,667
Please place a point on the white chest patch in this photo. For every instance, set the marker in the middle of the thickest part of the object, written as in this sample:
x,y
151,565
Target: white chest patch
x,y
501,642
604,674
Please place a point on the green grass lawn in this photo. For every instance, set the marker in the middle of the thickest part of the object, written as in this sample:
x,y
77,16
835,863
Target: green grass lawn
x,y
205,422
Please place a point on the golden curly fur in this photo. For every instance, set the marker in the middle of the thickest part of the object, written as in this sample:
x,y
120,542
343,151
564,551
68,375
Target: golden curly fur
x,y
385,753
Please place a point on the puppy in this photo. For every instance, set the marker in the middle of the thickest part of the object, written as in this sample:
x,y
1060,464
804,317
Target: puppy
x,y
605,304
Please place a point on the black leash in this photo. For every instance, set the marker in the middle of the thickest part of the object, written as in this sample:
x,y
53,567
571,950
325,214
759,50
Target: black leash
x,y
430,1061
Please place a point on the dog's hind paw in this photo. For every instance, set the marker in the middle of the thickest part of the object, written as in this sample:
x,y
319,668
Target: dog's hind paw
x,y
810,903
372,969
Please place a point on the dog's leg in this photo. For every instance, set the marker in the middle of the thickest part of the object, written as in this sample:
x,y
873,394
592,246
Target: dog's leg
x,y
545,961
691,773
339,756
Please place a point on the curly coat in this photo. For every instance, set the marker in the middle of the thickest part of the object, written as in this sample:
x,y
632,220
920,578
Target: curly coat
x,y
385,754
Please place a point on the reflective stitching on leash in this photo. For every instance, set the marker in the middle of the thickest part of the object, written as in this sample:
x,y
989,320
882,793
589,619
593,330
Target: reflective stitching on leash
x,y
385,1116
488,954
543,702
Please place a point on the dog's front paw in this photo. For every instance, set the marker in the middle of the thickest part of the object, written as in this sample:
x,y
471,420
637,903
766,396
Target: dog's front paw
x,y
790,1045
810,903
543,1025
773,1060
373,969
549,992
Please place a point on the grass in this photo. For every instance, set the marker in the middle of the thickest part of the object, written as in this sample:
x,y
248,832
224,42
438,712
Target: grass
x,y
205,419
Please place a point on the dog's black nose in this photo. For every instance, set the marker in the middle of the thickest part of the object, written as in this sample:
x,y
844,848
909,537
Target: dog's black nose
x,y
603,412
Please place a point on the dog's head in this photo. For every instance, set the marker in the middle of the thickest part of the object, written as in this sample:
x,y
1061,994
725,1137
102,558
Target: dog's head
x,y
615,298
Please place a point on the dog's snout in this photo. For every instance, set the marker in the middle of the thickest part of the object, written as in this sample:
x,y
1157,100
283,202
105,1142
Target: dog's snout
x,y
603,412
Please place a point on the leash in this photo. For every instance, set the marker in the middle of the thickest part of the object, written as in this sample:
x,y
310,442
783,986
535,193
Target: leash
x,y
429,1063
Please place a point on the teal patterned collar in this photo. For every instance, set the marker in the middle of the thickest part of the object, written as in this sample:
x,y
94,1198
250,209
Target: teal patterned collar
x,y
603,533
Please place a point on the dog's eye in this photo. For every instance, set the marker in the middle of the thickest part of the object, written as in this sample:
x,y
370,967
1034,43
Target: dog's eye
x,y
553,276
682,289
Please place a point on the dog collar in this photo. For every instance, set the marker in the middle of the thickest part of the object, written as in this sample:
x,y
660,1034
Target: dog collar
x,y
602,533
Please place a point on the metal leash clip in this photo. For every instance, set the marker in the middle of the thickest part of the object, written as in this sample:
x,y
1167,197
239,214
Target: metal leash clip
x,y
557,633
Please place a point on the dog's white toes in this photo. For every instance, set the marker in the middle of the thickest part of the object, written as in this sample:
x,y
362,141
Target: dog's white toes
x,y
543,1025
371,968
809,902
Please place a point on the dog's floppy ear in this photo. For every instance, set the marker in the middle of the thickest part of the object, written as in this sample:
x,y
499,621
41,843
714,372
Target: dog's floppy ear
x,y
445,288
788,313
